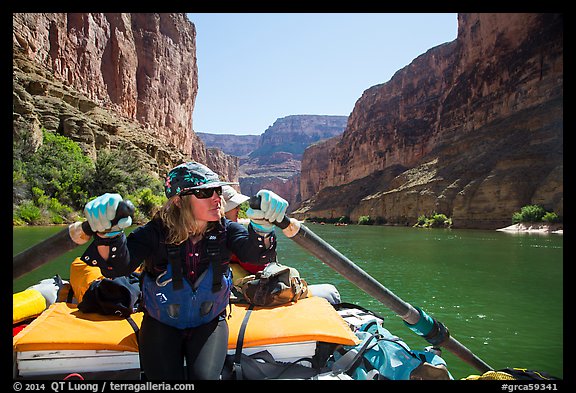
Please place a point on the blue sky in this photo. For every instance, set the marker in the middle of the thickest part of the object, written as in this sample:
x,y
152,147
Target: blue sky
x,y
254,68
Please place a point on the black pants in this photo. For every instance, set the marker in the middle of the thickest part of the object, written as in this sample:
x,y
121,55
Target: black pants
x,y
163,349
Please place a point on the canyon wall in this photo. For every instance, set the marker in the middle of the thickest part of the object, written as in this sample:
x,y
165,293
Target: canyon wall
x,y
271,160
111,79
472,129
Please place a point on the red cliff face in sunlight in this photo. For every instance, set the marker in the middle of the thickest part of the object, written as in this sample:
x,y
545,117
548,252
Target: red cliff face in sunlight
x,y
129,79
142,66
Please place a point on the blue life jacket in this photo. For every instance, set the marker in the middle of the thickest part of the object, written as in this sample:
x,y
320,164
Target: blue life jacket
x,y
174,301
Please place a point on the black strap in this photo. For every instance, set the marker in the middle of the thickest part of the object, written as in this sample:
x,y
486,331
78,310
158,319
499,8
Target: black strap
x,y
70,296
134,326
350,360
240,342
136,330
213,251
175,259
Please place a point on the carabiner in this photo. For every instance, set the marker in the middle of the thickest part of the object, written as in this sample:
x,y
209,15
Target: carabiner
x,y
162,284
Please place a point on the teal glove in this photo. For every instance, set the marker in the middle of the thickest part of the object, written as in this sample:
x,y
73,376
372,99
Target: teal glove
x,y
261,226
101,211
272,209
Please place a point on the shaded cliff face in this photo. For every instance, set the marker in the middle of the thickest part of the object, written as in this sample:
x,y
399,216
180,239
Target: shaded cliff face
x,y
111,81
315,161
140,65
472,129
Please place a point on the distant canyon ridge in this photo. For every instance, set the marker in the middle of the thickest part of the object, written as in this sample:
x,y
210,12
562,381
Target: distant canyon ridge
x,y
272,160
472,128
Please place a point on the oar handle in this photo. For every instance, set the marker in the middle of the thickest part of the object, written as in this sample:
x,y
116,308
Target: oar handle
x,y
124,209
255,202
60,243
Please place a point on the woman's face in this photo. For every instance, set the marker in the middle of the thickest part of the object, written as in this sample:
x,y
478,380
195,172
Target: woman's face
x,y
206,209
232,214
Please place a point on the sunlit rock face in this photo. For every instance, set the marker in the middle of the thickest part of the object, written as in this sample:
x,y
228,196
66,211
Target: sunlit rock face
x,y
112,80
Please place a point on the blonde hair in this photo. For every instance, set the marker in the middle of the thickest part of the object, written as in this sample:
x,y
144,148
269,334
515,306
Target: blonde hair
x,y
180,220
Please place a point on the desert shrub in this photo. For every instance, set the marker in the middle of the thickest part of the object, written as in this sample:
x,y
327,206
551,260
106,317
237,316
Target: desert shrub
x,y
551,217
435,220
529,213
365,220
60,169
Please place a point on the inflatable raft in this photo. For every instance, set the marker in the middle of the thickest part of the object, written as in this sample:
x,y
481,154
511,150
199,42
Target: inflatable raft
x,y
61,339
54,340
64,340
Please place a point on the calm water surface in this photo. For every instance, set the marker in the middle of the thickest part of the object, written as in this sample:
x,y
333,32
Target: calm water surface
x,y
499,294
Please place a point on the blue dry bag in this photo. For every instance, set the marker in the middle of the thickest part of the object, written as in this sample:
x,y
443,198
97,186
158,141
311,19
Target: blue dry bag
x,y
381,355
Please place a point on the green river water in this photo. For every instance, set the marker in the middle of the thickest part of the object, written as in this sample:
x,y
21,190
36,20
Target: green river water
x,y
499,294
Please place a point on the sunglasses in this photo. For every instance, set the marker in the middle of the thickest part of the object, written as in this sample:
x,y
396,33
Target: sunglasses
x,y
203,193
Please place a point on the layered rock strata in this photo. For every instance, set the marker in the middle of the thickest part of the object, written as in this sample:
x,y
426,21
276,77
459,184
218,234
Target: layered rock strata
x,y
111,80
272,160
472,129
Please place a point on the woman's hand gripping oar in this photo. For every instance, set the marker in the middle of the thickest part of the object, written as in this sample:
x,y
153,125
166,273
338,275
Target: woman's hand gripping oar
x,y
67,239
417,320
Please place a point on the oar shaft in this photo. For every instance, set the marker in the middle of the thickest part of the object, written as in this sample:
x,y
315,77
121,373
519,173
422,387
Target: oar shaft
x,y
63,241
330,256
333,258
465,354
41,253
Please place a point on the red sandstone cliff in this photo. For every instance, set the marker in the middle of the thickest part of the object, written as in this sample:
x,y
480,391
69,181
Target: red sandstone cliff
x,y
472,129
138,66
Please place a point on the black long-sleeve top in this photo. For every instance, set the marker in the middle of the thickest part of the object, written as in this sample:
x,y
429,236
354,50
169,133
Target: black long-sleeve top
x,y
146,244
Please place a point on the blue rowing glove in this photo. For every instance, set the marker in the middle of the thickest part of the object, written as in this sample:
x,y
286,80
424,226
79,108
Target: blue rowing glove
x,y
272,209
100,212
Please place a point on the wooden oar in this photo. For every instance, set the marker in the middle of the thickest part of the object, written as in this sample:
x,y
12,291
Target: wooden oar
x,y
418,321
61,242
